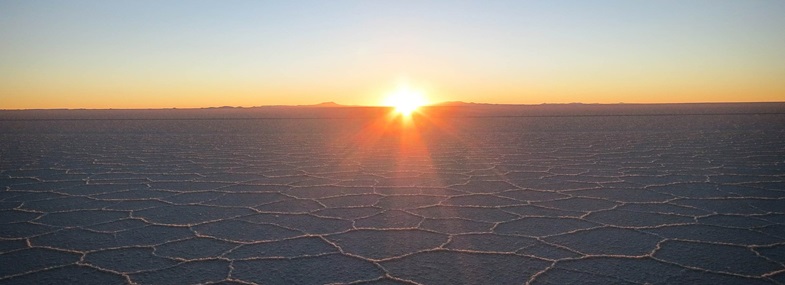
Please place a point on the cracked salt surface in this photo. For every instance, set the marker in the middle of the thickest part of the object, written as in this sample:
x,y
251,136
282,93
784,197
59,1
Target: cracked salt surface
x,y
489,201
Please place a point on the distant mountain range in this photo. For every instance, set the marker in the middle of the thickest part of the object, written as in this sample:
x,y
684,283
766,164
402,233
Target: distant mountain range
x,y
452,109
332,104
440,104
446,103
326,105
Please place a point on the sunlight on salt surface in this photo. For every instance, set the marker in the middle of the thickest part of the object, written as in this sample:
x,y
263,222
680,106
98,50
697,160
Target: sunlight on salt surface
x,y
431,200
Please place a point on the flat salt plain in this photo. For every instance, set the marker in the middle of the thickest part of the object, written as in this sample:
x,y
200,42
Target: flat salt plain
x,y
609,194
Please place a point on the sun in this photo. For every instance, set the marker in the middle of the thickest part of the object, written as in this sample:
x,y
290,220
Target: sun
x,y
405,100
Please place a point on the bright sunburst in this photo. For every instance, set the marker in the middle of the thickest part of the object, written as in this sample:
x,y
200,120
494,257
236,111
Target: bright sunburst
x,y
405,100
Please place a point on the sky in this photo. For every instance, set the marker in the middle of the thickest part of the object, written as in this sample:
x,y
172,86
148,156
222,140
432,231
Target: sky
x,y
163,54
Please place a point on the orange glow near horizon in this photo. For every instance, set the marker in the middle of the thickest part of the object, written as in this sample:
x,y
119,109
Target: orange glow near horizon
x,y
405,100
102,55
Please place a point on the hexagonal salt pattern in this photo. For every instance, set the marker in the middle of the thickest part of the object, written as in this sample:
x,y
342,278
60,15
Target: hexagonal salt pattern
x,y
488,202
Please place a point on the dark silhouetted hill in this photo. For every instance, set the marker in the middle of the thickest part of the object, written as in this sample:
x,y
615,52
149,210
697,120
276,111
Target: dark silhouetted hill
x,y
446,109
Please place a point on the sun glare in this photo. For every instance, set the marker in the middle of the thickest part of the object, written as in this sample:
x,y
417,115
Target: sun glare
x,y
405,100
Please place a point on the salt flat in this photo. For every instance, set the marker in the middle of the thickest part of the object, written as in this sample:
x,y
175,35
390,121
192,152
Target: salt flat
x,y
666,198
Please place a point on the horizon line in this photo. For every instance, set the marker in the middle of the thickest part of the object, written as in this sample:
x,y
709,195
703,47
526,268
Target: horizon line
x,y
331,104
